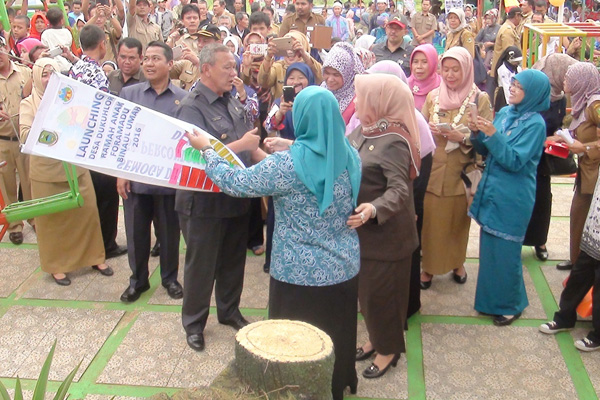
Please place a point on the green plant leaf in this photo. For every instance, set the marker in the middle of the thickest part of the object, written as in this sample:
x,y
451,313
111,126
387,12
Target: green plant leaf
x,y
40,386
18,390
64,386
3,392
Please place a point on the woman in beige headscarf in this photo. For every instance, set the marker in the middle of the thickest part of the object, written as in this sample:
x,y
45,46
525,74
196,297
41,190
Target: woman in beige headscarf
x,y
272,73
459,35
388,145
69,240
445,222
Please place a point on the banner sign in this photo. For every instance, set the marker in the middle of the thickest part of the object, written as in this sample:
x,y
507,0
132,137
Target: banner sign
x,y
84,126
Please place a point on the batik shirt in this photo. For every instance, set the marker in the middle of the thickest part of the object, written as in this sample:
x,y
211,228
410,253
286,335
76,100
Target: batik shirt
x,y
88,71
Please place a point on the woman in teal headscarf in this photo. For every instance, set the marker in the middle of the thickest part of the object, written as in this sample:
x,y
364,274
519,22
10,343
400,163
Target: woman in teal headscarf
x,y
315,259
505,195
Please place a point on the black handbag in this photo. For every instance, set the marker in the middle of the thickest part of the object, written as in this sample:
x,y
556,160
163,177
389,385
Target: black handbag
x,y
561,166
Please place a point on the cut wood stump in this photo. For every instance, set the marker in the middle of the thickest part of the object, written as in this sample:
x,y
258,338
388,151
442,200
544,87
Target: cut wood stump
x,y
285,356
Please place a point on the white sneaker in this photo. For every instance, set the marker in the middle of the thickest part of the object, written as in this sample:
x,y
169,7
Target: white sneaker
x,y
586,344
551,328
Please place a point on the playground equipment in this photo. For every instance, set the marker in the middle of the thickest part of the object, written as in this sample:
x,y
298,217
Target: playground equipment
x,y
46,205
540,34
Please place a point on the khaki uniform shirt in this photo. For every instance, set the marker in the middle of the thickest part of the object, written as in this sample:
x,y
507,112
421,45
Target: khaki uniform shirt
x,y
111,41
145,32
463,38
587,134
445,177
293,22
190,41
215,19
507,36
184,74
422,24
11,90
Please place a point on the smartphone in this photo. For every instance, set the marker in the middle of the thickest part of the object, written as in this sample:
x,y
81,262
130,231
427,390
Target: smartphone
x,y
177,52
258,49
283,45
474,112
104,2
57,51
289,93
444,127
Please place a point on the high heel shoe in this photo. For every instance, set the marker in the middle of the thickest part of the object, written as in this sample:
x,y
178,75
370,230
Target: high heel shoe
x,y
374,372
541,253
425,284
363,355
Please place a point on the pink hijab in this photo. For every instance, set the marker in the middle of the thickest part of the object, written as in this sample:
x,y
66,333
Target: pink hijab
x,y
453,99
421,88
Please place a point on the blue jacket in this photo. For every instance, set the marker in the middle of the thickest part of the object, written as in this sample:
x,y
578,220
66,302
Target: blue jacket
x,y
505,196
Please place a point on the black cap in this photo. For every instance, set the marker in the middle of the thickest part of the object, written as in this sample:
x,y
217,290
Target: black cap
x,y
210,30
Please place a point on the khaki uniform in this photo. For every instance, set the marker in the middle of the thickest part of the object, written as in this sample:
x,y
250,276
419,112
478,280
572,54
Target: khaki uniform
x,y
189,41
145,32
274,78
215,19
446,224
293,22
184,74
507,36
111,41
422,24
11,89
463,38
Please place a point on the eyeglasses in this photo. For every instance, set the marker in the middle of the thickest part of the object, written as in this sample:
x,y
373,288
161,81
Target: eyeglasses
x,y
516,85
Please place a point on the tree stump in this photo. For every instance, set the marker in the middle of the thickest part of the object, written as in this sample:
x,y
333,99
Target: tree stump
x,y
285,356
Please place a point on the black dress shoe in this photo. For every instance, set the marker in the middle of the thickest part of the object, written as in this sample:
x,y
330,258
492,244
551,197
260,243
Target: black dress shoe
x,y
155,252
501,320
116,252
62,281
564,266
108,271
425,284
374,372
16,237
459,279
174,290
363,355
266,268
541,254
237,324
132,294
196,341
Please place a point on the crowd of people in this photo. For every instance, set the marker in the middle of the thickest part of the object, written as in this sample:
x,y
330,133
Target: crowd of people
x,y
367,159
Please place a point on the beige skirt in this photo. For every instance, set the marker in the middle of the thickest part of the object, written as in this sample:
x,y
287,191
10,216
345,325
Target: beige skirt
x,y
69,240
445,233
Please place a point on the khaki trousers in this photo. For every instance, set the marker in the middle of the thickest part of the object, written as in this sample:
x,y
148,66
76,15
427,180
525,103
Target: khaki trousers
x,y
16,162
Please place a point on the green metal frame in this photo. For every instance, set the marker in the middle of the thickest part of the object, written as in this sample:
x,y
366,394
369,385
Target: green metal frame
x,y
24,210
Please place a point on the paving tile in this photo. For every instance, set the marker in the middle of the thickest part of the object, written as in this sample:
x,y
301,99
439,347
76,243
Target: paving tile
x,y
464,362
393,385
561,200
200,368
80,333
446,297
21,329
254,295
16,265
563,179
149,353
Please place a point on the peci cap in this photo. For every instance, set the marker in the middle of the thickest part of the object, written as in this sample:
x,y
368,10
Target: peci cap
x,y
514,11
399,21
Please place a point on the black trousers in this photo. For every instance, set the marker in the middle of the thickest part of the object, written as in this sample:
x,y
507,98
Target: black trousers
x,y
270,228
255,224
215,255
539,224
419,189
107,200
585,273
140,210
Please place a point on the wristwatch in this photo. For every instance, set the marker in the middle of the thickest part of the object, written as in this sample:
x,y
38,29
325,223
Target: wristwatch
x,y
587,148
203,149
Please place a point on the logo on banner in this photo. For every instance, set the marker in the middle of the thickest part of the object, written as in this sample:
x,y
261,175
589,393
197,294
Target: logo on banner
x,y
66,94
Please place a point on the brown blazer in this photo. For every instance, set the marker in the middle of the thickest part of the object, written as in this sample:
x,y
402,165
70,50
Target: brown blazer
x,y
587,133
385,183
